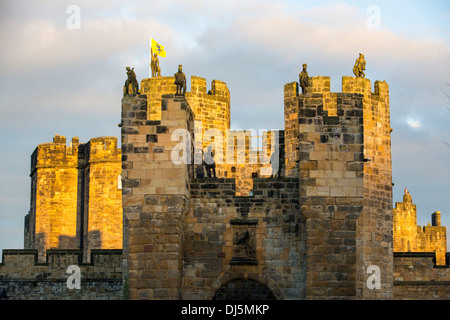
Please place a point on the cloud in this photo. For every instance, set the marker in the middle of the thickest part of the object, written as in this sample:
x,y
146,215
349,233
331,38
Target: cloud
x,y
413,123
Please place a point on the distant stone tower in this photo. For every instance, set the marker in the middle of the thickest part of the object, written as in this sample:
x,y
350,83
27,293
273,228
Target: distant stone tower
x,y
75,199
410,237
52,220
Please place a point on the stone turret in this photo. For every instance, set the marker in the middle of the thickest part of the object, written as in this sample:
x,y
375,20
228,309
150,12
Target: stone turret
x,y
338,144
75,200
155,196
436,219
410,237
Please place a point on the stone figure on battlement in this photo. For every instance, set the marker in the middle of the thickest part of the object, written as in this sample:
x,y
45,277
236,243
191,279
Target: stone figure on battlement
x,y
275,164
360,66
210,164
200,164
304,79
131,80
154,65
180,80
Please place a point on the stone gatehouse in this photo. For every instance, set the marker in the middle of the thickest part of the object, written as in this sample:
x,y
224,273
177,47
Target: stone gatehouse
x,y
318,231
311,233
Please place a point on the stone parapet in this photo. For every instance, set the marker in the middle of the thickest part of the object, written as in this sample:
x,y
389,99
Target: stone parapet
x,y
25,278
418,277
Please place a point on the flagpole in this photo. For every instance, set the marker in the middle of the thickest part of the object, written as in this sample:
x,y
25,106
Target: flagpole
x,y
151,56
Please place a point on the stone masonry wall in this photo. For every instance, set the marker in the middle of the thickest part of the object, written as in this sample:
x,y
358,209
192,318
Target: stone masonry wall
x,y
24,278
317,85
271,256
155,196
331,192
154,89
243,162
211,108
405,225
102,196
291,133
417,277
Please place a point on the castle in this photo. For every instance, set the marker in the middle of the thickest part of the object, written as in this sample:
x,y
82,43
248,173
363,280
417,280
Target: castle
x,y
143,226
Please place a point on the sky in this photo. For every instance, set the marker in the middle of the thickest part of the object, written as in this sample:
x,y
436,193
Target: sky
x,y
62,70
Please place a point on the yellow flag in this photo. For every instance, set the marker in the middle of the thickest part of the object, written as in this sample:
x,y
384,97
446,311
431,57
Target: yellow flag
x,y
158,49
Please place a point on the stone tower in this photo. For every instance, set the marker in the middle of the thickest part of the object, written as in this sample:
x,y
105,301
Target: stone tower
x,y
339,145
155,197
76,202
410,237
52,220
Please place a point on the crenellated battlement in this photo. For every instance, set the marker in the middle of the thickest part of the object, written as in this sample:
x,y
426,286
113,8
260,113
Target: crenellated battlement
x,y
356,92
103,149
363,86
211,107
321,85
58,154
25,278
417,276
60,258
218,91
55,153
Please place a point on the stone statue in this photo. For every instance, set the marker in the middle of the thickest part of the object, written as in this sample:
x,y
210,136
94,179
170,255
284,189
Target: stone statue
x,y
304,79
210,164
360,66
131,80
154,65
275,164
199,170
180,80
244,244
